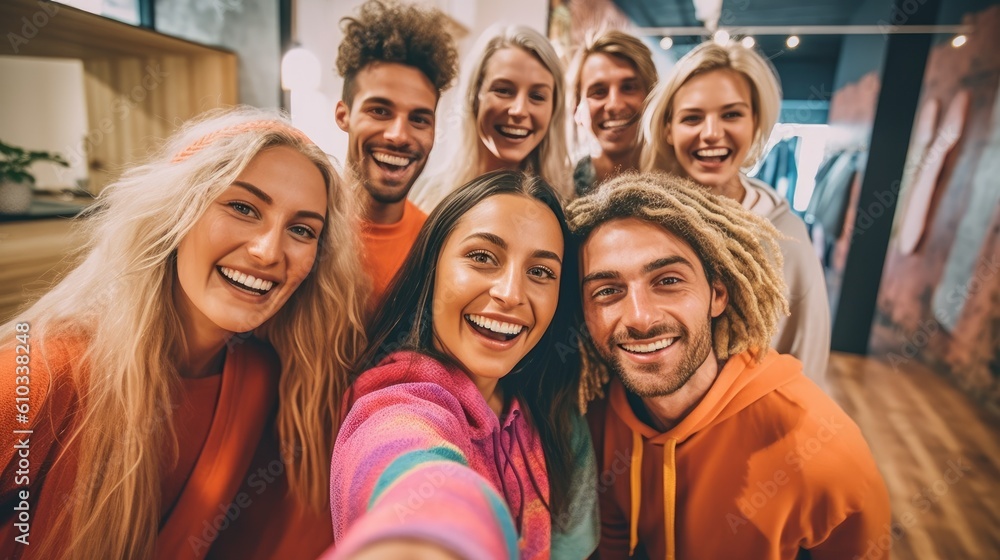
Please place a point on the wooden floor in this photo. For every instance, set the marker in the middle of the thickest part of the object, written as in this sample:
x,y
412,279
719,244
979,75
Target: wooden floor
x,y
938,451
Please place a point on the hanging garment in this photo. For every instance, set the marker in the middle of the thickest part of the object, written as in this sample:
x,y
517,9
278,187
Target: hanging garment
x,y
780,169
828,205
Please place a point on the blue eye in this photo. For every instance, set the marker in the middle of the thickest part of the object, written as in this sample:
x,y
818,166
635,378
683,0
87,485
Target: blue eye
x,y
242,208
303,231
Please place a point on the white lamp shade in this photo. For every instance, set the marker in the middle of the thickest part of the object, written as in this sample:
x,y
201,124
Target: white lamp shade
x,y
300,70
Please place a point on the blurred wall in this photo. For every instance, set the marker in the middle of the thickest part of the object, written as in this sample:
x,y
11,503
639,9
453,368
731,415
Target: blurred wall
x,y
43,107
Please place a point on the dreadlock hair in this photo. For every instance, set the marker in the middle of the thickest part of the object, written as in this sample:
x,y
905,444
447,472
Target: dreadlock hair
x,y
736,248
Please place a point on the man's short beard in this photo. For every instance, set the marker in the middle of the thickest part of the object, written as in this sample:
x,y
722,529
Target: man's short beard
x,y
386,197
697,350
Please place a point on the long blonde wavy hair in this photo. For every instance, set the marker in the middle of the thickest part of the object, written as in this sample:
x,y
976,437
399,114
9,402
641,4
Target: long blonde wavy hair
x,y
119,301
549,160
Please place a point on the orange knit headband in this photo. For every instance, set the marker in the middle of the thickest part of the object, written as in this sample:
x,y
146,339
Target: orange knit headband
x,y
236,130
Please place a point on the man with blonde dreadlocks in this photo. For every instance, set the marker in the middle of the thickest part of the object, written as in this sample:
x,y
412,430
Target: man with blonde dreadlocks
x,y
709,443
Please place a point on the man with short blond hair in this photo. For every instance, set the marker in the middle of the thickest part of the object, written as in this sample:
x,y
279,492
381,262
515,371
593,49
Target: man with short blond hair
x,y
612,75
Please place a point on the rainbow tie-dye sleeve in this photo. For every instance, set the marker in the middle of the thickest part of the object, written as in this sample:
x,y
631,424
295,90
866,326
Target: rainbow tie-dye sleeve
x,y
399,472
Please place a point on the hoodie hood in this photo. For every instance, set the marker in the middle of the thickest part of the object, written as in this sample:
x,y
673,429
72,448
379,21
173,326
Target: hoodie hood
x,y
518,463
413,367
770,204
738,385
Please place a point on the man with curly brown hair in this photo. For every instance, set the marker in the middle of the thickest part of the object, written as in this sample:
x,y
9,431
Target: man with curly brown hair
x,y
395,61
709,443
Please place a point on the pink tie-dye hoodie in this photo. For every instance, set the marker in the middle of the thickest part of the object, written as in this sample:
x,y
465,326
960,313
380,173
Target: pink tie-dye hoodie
x,y
421,455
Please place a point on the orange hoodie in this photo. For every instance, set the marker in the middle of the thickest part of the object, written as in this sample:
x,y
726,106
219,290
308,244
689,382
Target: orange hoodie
x,y
764,466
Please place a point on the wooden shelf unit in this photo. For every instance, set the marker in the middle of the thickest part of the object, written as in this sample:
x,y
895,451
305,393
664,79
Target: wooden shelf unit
x,y
140,86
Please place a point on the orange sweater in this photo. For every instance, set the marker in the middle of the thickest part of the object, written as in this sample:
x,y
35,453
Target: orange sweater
x,y
387,245
765,465
226,497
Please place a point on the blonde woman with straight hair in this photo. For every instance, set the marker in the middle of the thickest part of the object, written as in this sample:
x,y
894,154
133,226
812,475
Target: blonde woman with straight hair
x,y
186,377
513,115
709,120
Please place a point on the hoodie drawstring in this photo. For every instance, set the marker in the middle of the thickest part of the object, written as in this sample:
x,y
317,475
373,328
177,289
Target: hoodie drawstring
x,y
531,474
669,494
501,468
520,485
635,486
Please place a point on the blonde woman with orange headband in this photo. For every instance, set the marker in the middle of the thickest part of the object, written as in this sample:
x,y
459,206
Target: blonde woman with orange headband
x,y
219,275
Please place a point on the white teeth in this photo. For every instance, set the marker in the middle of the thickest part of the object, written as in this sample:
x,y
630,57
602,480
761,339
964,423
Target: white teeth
x,y
251,282
514,131
650,347
615,124
390,159
494,325
715,152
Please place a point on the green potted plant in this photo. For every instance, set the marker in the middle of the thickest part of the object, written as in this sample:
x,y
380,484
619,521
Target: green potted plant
x,y
16,182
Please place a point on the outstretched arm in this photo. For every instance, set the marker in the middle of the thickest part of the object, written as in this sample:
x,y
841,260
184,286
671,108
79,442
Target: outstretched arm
x,y
400,471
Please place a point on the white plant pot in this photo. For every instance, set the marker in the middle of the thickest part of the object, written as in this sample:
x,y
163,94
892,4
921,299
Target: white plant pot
x,y
15,198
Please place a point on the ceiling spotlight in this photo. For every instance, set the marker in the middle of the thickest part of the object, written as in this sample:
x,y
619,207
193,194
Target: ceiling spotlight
x,y
666,43
721,37
748,42
958,41
792,41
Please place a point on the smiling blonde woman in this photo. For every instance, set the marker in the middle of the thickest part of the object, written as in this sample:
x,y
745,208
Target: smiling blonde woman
x,y
512,116
157,427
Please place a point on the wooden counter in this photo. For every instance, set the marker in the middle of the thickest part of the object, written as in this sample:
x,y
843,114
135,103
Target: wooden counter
x,y
33,254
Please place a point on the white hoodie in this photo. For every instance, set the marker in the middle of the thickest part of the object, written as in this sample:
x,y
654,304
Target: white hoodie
x,y
805,333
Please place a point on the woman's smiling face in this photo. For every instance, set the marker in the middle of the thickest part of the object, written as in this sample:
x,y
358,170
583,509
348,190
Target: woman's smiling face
x,y
496,287
254,245
712,127
516,101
